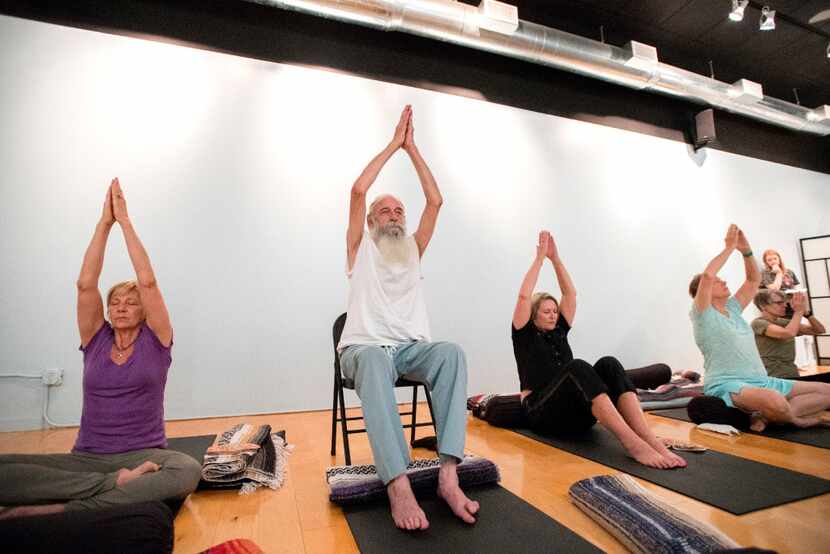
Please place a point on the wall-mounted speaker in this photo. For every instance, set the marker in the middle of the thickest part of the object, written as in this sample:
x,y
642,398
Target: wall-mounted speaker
x,y
703,131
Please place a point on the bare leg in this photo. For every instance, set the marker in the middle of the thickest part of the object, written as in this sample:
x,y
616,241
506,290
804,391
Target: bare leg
x,y
610,418
25,511
773,407
452,494
629,407
406,512
809,399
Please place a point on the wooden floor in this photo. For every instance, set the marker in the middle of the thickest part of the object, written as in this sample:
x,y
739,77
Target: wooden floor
x,y
299,517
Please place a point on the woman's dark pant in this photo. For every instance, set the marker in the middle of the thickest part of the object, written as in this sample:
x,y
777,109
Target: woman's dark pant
x,y
650,376
503,410
564,406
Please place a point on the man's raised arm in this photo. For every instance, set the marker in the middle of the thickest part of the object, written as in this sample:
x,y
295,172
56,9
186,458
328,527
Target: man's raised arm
x,y
433,196
357,204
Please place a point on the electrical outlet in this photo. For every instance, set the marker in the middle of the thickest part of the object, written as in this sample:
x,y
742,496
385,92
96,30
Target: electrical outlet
x,y
53,377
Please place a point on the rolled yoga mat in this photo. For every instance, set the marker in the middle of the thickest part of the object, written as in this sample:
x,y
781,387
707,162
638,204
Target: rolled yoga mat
x,y
814,436
505,523
730,483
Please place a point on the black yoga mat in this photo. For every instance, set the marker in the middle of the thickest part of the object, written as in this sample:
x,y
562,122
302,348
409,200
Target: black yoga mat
x,y
195,447
506,523
814,436
727,482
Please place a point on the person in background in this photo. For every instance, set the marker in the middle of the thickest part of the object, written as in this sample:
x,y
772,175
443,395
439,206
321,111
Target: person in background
x,y
734,370
387,336
775,275
120,455
775,332
563,395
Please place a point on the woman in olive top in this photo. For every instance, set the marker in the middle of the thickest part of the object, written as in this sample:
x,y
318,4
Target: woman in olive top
x,y
775,332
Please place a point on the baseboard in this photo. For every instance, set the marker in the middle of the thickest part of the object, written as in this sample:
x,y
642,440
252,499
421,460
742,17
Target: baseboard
x,y
21,424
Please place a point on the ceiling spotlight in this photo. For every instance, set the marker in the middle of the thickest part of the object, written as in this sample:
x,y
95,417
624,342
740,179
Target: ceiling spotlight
x,y
828,49
738,7
767,22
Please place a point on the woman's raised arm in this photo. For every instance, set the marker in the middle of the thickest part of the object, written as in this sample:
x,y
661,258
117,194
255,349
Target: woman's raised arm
x,y
90,306
151,299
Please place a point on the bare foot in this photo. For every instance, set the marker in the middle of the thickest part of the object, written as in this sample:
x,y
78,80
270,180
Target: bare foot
x,y
757,422
25,511
126,475
673,459
646,455
452,494
406,512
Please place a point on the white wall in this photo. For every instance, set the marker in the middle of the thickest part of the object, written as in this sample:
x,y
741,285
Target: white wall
x,y
237,174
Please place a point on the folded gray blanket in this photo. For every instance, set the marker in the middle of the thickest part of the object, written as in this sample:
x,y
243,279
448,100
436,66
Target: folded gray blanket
x,y
685,385
246,454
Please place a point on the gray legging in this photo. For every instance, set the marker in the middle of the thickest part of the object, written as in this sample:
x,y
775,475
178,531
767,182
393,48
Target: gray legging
x,y
82,480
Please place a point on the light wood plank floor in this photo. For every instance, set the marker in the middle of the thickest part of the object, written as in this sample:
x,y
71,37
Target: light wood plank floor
x,y
299,518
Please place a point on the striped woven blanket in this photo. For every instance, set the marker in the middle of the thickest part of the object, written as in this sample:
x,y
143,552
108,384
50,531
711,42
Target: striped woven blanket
x,y
245,454
641,521
361,484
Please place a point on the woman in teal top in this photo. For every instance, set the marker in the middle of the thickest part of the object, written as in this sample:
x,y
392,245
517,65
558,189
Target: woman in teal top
x,y
734,370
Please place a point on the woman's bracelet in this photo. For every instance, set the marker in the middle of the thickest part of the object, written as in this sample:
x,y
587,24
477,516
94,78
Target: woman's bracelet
x,y
747,254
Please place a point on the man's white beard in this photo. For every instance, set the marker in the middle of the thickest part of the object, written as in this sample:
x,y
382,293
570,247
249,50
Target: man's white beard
x,y
391,242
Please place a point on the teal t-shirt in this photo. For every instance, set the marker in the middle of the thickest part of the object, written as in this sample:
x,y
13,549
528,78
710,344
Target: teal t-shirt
x,y
727,344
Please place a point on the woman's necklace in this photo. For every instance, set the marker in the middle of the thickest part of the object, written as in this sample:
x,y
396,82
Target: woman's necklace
x,y
120,351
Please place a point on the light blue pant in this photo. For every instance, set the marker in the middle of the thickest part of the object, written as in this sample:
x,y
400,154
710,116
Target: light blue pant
x,y
442,366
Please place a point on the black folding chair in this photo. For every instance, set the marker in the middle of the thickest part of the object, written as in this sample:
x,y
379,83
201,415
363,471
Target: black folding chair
x,y
341,383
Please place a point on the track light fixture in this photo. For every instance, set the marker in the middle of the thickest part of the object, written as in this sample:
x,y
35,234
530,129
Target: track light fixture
x,y
738,7
767,22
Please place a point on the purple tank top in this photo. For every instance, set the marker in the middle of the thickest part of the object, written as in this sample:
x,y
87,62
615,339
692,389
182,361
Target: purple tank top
x,y
123,406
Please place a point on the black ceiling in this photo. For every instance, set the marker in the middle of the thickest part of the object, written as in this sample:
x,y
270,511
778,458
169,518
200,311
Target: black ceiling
x,y
689,33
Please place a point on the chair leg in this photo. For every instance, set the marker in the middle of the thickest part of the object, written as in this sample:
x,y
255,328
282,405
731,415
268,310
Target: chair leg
x,y
431,413
414,414
334,418
343,427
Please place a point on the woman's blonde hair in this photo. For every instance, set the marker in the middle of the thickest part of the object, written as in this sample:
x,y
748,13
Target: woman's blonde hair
x,y
780,260
125,286
536,301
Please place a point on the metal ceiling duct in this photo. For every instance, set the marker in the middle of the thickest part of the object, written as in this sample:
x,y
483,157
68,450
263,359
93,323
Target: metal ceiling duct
x,y
635,65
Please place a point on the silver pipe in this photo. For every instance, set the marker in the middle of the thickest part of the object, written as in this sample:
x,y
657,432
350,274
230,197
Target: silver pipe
x,y
452,21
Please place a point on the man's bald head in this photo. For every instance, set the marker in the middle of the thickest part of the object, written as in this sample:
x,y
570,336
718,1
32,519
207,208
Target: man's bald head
x,y
384,210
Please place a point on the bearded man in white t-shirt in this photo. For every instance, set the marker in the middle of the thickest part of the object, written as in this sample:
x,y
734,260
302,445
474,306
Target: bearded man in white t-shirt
x,y
387,336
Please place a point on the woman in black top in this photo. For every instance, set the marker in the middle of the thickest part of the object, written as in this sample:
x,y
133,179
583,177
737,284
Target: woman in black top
x,y
563,395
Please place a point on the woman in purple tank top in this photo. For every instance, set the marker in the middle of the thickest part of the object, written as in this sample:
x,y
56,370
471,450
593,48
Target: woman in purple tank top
x,y
120,454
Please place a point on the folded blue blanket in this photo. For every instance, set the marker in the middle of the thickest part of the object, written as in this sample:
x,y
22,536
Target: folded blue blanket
x,y
641,521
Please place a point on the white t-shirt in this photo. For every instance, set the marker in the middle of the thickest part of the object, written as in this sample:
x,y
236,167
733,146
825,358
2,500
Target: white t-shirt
x,y
386,299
